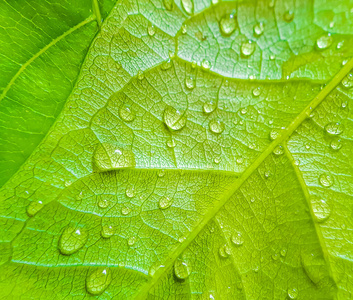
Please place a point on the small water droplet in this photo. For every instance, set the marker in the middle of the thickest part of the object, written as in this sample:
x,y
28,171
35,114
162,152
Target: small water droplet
x,y
188,6
174,119
98,281
256,91
161,173
224,251
216,126
140,75
107,231
126,113
184,29
336,144
72,239
209,107
190,82
165,202
288,16
182,239
151,30
166,65
340,45
130,191
324,41
326,180
131,241
217,160
272,57
292,293
347,81
252,200
243,111
103,203
237,239
259,29
267,174
279,150
228,24
320,208
34,207
334,128
275,256
125,211
206,65
274,134
171,143
247,48
168,4
193,64
181,269
283,252
239,160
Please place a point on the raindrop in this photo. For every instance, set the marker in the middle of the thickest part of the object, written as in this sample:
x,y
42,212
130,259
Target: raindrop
x,y
206,65
320,208
166,65
239,160
247,48
98,281
140,75
347,81
279,150
209,107
193,64
126,113
259,29
288,16
237,239
168,4
267,174
256,91
181,269
130,191
292,293
131,241
107,231
216,126
228,24
274,134
72,239
275,256
217,160
283,252
151,30
171,143
190,82
161,173
34,207
243,111
334,128
125,211
324,41
165,202
340,45
174,119
184,29
336,144
326,180
103,203
188,6
224,251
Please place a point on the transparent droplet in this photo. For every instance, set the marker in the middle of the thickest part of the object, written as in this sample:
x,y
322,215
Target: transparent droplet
x,y
131,241
340,45
130,191
292,293
216,126
181,269
279,150
171,143
214,2
206,65
288,16
98,281
72,239
166,65
34,207
125,211
126,113
182,239
209,107
336,144
239,160
247,48
272,57
334,128
103,203
275,256
217,160
243,111
313,263
326,180
256,91
140,75
165,202
174,119
320,208
190,82
151,30
161,173
347,81
267,174
188,6
224,251
237,239
228,24
259,29
324,41
283,252
107,231
193,64
184,29
274,134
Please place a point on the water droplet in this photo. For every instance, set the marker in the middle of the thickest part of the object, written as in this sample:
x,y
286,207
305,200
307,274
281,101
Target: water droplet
x,y
279,150
237,239
340,45
292,293
283,252
275,256
214,2
151,30
224,251
274,134
166,65
259,29
182,239
209,107
190,82
193,64
161,173
109,157
347,81
126,113
168,4
181,269
267,174
107,231
320,208
243,111
188,6
34,207
288,16
131,241
324,41
334,128
252,200
239,160
217,160
206,65
165,202
72,239
326,180
103,203
98,281
125,211
171,143
336,144
272,57
130,191
174,119
247,48
140,75
184,29
228,24
216,126
256,91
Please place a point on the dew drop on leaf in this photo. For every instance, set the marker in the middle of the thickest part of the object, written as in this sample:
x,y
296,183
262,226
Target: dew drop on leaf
x,y
126,113
125,211
228,24
336,144
292,293
334,128
184,29
259,29
165,202
324,41
130,191
98,281
320,208
206,65
107,231
326,180
217,160
209,107
216,126
166,65
283,252
168,4
190,82
256,91
140,75
247,48
103,203
267,174
347,81
239,160
288,16
171,143
161,173
243,111
131,241
151,30
224,251
34,207
237,239
274,134
278,150
72,239
174,119
188,6
181,269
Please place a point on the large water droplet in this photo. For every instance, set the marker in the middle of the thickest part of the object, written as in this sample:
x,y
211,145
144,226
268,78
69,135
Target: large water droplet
x,y
98,281
279,150
188,6
151,30
168,4
34,207
125,211
209,107
216,126
103,203
165,202
130,191
313,264
126,113
72,239
109,157
224,251
107,231
292,293
132,240
274,134
181,269
247,48
256,91
228,24
320,208
259,29
324,41
190,82
288,16
174,119
237,239
334,128
336,144
326,180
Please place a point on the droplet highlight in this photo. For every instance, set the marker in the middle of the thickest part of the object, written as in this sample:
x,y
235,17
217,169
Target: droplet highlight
x,y
181,269
228,24
98,281
174,119
334,128
165,202
34,207
216,126
126,113
72,239
247,48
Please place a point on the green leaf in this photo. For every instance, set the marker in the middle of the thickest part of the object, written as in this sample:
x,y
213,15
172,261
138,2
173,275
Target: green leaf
x,y
188,150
